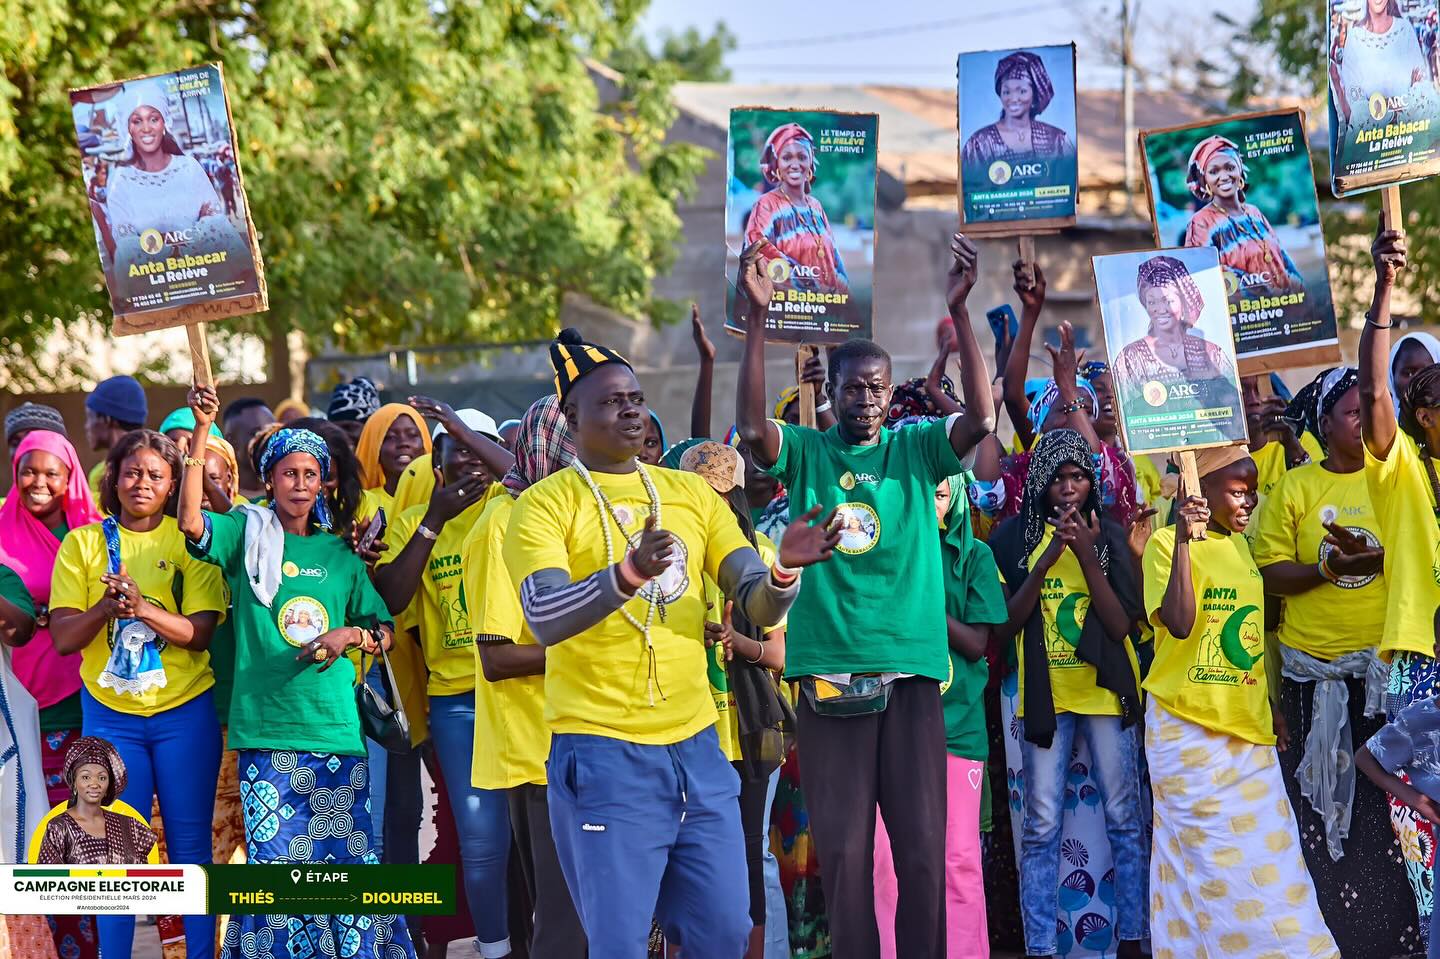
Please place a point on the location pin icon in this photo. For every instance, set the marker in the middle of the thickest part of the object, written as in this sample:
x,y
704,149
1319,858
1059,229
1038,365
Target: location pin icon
x,y
295,875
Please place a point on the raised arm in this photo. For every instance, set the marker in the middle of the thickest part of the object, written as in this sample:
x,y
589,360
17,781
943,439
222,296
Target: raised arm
x,y
1377,410
705,380
397,580
759,434
1177,608
497,459
765,594
978,418
204,402
1032,299
1065,366
933,389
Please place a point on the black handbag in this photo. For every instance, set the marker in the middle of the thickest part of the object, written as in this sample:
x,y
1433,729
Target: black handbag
x,y
380,721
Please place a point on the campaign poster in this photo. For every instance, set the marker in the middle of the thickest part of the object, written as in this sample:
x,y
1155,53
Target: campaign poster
x,y
1167,330
1244,185
802,182
1384,66
162,178
1018,171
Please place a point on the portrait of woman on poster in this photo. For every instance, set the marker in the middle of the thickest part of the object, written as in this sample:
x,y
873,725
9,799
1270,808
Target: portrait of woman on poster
x,y
1378,53
789,220
157,186
1024,87
87,832
1171,352
1216,176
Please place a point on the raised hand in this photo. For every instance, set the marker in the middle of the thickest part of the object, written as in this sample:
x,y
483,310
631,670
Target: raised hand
x,y
655,551
1064,361
437,410
963,274
1352,554
1138,536
1085,531
1032,296
703,346
1194,511
1389,253
448,502
806,542
755,283
204,402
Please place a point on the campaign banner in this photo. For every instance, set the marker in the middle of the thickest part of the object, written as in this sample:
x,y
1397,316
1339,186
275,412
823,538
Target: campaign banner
x,y
167,201
1018,172
139,890
802,183
1167,330
1244,185
1384,67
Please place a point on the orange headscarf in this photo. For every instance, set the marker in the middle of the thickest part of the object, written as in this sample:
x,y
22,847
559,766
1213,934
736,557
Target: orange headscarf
x,y
367,451
219,445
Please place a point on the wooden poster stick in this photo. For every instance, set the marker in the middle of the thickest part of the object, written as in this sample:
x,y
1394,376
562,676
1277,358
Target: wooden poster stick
x,y
807,395
1026,246
1190,486
1390,208
199,354
1263,386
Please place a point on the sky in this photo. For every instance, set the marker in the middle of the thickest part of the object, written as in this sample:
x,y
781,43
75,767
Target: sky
x,y
913,42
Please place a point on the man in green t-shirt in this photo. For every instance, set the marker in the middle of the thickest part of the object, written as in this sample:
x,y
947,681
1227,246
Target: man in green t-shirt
x,y
872,620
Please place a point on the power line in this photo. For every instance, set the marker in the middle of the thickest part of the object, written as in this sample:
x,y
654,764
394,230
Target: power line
x,y
887,31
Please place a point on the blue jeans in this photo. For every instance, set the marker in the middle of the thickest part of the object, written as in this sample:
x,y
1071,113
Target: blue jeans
x,y
482,818
175,755
1114,755
646,831
777,921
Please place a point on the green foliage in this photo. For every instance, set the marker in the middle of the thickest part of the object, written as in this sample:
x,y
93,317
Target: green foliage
x,y
1294,32
418,172
691,54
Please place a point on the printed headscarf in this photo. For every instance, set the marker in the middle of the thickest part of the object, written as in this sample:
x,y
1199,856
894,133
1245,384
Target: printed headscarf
x,y
93,750
1200,158
29,549
543,445
222,447
775,144
1052,451
287,441
912,399
1329,386
353,401
367,450
786,396
1027,66
1162,271
1093,370
1045,399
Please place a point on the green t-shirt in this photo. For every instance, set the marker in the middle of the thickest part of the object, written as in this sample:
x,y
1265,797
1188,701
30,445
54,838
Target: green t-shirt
x,y
222,664
877,605
972,596
279,702
12,589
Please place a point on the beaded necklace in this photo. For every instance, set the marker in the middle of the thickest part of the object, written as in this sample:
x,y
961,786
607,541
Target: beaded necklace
x,y
651,592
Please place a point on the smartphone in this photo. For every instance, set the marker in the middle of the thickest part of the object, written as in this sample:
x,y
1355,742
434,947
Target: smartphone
x,y
373,532
1000,318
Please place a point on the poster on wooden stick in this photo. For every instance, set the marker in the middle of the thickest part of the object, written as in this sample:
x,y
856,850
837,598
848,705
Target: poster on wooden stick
x,y
1244,185
167,201
802,184
1167,329
1017,140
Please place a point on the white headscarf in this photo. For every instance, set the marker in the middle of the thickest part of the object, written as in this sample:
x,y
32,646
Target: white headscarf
x,y
1431,346
142,93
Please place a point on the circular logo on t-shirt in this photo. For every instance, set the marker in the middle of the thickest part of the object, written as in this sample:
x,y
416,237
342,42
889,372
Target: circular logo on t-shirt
x,y
1328,515
302,619
289,568
671,584
949,679
859,528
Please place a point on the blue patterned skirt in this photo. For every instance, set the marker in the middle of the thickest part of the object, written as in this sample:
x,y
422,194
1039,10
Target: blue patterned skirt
x,y
310,808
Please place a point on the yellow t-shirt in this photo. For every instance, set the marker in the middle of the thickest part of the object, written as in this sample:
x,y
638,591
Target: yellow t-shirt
x,y
512,740
168,576
1064,604
1333,618
1405,505
1216,676
727,727
1147,477
96,474
1271,465
602,681
406,659
372,500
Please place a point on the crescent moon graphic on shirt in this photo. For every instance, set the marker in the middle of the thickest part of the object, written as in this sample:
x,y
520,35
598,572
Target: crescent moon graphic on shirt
x,y
1065,619
1232,645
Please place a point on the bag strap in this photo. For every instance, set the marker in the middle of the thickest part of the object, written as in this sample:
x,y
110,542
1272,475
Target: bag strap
x,y
398,705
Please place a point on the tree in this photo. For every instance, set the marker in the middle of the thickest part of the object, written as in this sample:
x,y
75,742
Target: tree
x,y
1294,31
417,171
692,55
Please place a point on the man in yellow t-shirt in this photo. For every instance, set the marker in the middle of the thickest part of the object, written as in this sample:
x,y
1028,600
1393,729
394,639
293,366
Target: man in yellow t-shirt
x,y
608,557
428,570
509,670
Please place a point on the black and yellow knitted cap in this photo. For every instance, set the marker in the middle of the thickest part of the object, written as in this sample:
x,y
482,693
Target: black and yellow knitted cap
x,y
572,358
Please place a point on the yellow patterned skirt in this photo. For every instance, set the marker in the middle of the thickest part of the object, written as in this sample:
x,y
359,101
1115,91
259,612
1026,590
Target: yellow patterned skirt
x,y
1227,878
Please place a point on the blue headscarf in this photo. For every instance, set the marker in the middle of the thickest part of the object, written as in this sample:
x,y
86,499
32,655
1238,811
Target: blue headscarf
x,y
1046,397
286,441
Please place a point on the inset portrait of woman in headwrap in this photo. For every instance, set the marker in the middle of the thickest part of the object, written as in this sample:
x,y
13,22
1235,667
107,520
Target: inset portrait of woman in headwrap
x,y
791,220
88,832
1024,89
1216,176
